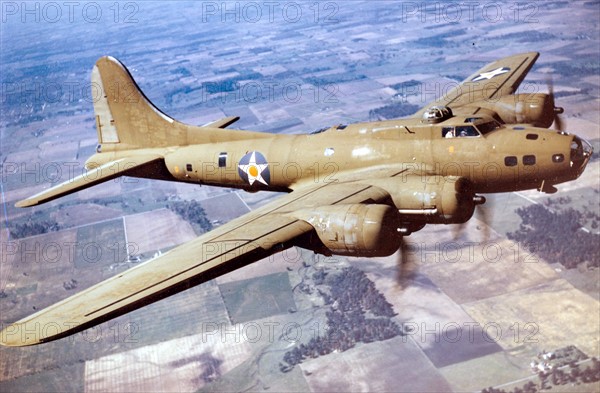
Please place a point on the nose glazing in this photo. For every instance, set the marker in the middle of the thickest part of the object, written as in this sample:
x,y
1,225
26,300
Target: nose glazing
x,y
581,151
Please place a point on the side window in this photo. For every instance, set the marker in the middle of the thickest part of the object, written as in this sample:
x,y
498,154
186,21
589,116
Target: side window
x,y
558,158
188,167
222,159
529,160
510,161
448,132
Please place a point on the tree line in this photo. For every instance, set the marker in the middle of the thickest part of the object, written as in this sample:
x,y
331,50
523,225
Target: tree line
x,y
357,312
557,377
193,212
557,236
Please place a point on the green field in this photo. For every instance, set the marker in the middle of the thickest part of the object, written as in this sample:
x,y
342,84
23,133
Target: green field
x,y
100,244
259,297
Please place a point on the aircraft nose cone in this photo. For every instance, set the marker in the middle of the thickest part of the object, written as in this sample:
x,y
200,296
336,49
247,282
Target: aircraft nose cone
x,y
581,152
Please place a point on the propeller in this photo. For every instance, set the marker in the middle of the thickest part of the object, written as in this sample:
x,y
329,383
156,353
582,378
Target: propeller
x,y
409,255
406,265
557,110
481,214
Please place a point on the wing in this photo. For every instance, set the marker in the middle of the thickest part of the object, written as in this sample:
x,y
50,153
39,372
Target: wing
x,y
108,171
256,235
497,79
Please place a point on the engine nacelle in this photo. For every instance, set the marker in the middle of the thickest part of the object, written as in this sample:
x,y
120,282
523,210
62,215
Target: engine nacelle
x,y
536,109
354,230
430,199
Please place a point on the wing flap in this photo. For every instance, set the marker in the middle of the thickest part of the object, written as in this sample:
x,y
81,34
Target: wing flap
x,y
108,171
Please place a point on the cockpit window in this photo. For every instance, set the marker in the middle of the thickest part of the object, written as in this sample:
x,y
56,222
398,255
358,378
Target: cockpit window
x,y
488,127
462,131
459,131
448,132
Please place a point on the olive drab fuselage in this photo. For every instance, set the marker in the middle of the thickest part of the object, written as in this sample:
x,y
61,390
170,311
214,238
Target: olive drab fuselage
x,y
507,158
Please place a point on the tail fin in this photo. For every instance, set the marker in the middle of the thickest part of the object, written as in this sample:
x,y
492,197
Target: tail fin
x,y
124,114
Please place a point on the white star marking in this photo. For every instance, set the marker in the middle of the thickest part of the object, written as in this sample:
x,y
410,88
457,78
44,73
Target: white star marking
x,y
254,170
491,74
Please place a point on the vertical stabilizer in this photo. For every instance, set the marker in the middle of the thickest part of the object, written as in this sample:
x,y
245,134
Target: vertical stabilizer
x,y
123,113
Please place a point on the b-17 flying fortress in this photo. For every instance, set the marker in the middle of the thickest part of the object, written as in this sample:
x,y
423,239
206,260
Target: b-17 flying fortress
x,y
353,189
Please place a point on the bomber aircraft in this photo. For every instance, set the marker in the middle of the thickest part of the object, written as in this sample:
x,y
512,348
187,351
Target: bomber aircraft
x,y
352,190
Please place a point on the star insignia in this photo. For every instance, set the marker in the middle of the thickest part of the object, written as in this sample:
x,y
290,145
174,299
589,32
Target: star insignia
x,y
253,167
490,74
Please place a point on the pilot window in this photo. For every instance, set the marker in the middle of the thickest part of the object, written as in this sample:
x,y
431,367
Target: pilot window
x,y
510,161
462,131
188,167
459,131
222,159
529,160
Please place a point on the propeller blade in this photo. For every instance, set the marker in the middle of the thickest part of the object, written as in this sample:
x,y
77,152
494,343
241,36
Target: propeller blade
x,y
402,260
480,214
558,123
406,264
458,230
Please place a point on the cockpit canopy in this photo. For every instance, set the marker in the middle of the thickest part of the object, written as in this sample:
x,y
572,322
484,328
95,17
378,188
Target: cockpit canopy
x,y
471,127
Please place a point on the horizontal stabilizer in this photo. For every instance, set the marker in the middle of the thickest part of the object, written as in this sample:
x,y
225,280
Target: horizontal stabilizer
x,y
108,171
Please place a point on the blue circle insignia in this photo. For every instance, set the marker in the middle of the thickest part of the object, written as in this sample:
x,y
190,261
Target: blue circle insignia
x,y
253,167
